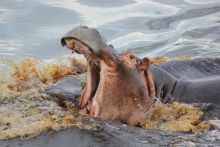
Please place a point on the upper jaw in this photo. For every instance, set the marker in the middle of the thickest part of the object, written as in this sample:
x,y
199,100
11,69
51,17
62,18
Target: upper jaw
x,y
88,41
77,46
89,37
81,48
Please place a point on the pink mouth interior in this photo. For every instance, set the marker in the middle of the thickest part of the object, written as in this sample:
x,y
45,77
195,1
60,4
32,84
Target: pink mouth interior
x,y
86,51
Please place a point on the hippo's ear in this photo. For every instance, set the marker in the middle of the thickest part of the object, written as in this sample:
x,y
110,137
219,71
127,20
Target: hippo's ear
x,y
144,64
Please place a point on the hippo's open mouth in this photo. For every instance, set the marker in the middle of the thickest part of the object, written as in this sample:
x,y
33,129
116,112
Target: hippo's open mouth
x,y
93,68
77,40
81,48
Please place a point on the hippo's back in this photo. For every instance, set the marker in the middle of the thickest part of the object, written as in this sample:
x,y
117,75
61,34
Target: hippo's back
x,y
195,68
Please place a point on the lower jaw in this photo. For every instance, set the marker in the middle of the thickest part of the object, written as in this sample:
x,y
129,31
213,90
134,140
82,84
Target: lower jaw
x,y
92,82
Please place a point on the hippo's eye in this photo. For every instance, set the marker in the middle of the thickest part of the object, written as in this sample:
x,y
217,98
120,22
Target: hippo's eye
x,y
132,57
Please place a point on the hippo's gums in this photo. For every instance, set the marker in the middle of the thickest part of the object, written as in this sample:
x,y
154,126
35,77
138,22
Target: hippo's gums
x,y
122,86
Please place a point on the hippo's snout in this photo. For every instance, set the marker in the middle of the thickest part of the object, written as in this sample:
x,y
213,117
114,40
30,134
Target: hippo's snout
x,y
83,39
69,34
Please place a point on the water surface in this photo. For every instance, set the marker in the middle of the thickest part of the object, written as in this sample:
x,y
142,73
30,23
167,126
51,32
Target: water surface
x,y
33,28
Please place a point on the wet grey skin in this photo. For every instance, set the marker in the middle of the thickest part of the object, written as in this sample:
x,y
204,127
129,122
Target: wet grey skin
x,y
191,81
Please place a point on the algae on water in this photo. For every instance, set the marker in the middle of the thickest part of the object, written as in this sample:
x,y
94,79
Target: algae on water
x,y
26,110
176,117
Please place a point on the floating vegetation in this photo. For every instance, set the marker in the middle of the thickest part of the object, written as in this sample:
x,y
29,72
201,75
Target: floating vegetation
x,y
176,117
30,73
165,59
34,113
183,58
158,59
46,72
26,110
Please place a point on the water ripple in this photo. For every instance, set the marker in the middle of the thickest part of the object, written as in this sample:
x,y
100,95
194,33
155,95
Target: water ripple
x,y
150,28
164,23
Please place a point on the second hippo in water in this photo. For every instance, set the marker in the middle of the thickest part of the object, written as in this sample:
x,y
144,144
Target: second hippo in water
x,y
121,86
189,81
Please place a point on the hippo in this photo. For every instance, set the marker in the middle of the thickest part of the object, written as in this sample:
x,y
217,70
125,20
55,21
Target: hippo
x,y
111,77
190,81
123,87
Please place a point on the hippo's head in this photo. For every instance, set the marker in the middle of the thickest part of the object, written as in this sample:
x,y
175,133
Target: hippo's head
x,y
116,83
